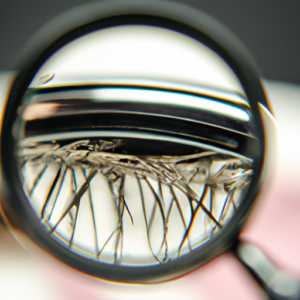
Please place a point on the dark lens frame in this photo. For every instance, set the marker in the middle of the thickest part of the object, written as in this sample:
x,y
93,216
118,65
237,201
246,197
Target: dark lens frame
x,y
14,205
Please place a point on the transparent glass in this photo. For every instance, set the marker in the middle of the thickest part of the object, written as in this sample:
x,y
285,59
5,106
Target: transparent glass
x,y
132,145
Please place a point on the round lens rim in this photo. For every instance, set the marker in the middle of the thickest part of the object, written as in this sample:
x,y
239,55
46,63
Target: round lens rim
x,y
14,205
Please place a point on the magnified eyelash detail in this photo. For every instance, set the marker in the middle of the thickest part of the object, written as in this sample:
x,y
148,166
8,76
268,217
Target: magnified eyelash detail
x,y
128,209
134,142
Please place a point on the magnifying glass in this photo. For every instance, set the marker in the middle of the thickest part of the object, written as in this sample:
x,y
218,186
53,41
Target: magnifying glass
x,y
134,141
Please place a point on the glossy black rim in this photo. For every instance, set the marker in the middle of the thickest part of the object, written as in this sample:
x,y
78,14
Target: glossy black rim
x,y
101,15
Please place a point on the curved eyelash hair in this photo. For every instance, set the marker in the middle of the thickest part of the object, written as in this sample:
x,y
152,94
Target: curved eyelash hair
x,y
214,172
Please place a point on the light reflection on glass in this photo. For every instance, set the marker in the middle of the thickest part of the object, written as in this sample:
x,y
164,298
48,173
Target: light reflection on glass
x,y
134,155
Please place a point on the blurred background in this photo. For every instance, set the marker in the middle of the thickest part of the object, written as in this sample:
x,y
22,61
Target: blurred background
x,y
270,29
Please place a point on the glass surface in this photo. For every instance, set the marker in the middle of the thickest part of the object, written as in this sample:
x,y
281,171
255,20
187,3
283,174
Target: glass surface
x,y
133,145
